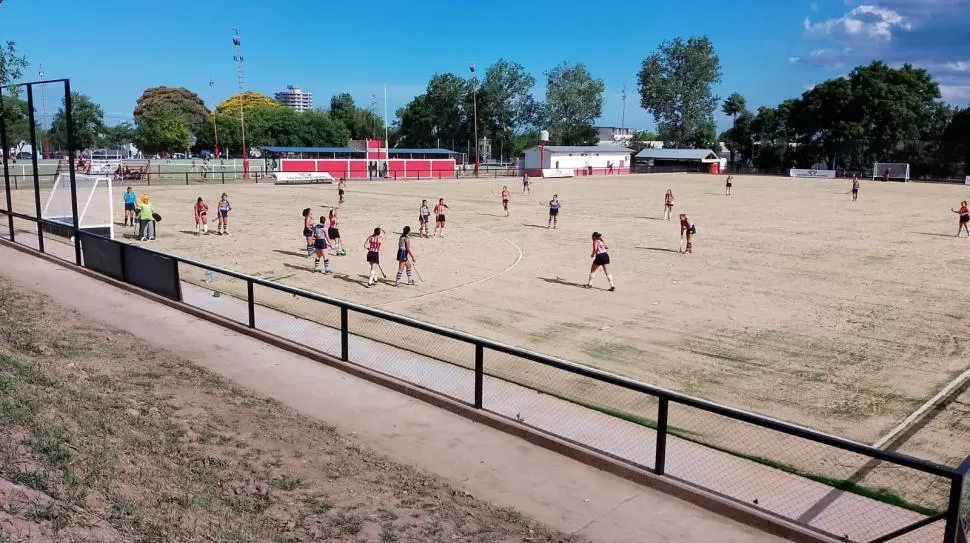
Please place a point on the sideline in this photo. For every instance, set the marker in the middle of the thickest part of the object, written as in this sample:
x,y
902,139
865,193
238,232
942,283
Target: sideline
x,y
916,415
473,283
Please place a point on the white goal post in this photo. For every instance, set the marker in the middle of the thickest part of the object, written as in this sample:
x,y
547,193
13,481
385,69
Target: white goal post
x,y
95,199
896,170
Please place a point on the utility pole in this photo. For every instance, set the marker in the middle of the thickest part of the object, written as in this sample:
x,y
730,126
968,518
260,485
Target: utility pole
x,y
623,114
215,126
237,42
478,161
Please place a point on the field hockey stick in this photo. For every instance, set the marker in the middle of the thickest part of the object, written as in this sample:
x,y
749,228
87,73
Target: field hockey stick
x,y
382,271
414,266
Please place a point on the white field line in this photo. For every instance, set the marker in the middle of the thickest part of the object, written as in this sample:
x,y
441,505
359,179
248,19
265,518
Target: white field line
x,y
490,277
922,410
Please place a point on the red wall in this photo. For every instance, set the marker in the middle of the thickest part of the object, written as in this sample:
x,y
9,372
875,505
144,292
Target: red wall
x,y
357,168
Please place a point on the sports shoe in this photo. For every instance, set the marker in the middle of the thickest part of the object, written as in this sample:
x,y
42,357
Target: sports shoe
x,y
328,272
612,289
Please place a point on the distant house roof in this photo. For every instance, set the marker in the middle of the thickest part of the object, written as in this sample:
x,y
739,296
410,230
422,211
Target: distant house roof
x,y
587,149
395,151
351,150
320,150
678,154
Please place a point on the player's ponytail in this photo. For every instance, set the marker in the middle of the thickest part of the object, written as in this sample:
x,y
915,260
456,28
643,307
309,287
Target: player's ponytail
x,y
597,235
406,231
306,212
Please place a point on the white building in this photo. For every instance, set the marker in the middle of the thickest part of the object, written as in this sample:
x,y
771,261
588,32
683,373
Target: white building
x,y
295,98
611,135
581,160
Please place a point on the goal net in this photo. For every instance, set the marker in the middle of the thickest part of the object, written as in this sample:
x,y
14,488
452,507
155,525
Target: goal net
x,y
94,203
895,170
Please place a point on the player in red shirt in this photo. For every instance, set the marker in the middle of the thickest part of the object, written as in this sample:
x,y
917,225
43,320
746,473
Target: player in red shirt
x,y
439,212
201,217
668,204
505,200
600,257
964,214
373,246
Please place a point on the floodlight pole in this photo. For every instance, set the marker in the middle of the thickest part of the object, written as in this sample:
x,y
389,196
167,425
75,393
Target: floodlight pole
x,y
475,109
215,126
387,141
237,42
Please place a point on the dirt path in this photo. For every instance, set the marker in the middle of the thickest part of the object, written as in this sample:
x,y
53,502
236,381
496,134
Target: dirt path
x,y
105,437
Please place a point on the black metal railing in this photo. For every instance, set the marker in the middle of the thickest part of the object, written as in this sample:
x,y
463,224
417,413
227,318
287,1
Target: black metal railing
x,y
351,321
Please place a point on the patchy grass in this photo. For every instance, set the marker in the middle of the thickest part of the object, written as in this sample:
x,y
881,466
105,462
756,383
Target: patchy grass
x,y
111,448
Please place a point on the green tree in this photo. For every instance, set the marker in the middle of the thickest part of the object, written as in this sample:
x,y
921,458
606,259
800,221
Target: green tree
x,y
738,139
343,108
88,124
12,65
734,105
15,118
180,99
416,123
956,142
505,103
163,128
118,135
574,100
319,129
675,84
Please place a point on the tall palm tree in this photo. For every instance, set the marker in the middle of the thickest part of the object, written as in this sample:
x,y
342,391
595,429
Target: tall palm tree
x,y
734,105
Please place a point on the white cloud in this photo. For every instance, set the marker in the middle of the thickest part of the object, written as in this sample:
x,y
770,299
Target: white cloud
x,y
955,93
928,33
861,21
794,60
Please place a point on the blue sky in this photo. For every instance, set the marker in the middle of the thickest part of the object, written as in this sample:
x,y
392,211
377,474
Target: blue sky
x,y
770,50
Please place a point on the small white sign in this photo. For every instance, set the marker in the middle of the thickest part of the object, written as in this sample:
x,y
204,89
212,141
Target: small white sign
x,y
967,180
303,176
814,174
558,172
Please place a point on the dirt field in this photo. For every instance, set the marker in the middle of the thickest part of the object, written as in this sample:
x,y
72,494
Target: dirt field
x,y
797,302
99,444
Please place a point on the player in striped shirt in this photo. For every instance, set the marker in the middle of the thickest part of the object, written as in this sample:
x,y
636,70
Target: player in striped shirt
x,y
373,246
404,257
668,204
320,244
424,215
505,200
553,211
600,257
334,233
687,229
222,219
439,212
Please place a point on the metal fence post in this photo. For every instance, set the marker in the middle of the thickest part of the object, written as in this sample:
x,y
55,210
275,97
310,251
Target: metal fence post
x,y
479,374
186,179
32,124
69,121
344,335
251,300
951,533
661,457
4,151
223,174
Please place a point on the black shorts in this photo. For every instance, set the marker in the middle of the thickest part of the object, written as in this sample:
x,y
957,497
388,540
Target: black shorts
x,y
964,218
402,255
424,218
224,213
553,212
319,244
441,218
373,257
602,259
129,207
333,233
340,192
693,229
307,233
855,191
